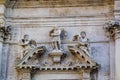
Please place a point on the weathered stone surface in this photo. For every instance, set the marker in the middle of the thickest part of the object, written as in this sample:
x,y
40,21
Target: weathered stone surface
x,y
5,59
37,18
60,75
59,3
0,58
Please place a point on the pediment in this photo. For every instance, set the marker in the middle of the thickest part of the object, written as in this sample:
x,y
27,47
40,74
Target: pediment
x,y
81,55
32,54
57,58
38,58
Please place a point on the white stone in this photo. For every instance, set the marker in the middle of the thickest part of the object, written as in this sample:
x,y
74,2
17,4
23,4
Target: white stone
x,y
37,22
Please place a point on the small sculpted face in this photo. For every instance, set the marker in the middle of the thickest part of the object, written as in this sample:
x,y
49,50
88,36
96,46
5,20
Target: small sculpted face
x,y
26,37
83,34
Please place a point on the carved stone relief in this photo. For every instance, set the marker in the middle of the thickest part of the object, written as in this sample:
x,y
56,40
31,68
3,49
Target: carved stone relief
x,y
83,43
112,28
5,33
27,45
57,36
42,58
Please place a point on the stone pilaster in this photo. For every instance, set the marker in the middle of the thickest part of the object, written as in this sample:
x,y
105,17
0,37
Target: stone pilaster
x,y
24,74
112,59
0,57
117,55
114,31
2,23
4,63
117,9
86,74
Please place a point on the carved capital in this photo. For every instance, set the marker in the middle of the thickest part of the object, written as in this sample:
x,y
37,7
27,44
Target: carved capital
x,y
5,33
113,29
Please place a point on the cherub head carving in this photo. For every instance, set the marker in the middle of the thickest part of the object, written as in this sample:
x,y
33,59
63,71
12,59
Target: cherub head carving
x,y
83,34
26,37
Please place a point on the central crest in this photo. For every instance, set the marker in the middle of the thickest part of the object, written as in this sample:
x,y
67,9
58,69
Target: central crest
x,y
56,52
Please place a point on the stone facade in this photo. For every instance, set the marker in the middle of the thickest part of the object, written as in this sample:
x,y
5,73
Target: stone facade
x,y
31,48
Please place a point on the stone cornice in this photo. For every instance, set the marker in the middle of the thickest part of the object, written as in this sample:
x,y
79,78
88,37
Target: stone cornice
x,y
58,3
2,1
82,66
64,42
47,22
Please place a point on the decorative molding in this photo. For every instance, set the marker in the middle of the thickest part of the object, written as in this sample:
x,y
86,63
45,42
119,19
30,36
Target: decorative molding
x,y
58,3
46,22
63,42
